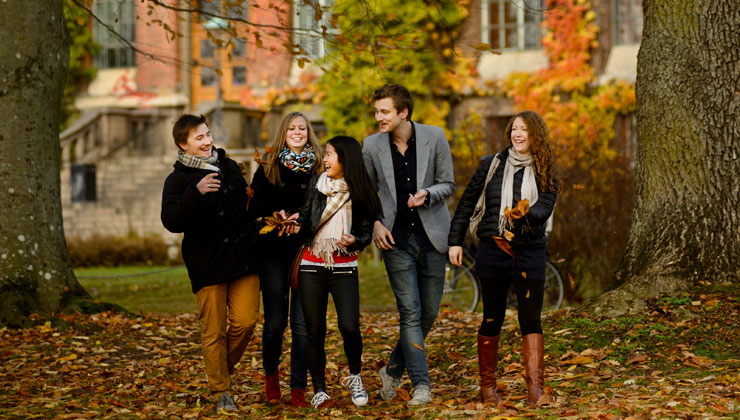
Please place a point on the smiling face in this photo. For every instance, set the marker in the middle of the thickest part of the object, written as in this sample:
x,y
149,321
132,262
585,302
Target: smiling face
x,y
333,168
520,137
387,115
200,142
297,134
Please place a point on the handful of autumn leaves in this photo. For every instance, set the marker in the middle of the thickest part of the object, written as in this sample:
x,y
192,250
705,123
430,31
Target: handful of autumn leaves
x,y
275,221
521,209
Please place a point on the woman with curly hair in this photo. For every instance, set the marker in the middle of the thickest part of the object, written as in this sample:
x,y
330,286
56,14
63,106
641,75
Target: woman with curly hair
x,y
519,188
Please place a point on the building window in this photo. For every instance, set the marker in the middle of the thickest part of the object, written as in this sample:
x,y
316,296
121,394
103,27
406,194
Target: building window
x,y
240,47
627,22
206,48
252,131
239,75
207,76
310,34
120,15
82,182
512,24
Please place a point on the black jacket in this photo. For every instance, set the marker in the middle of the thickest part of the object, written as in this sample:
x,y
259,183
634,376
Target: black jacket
x,y
219,235
529,231
269,198
362,220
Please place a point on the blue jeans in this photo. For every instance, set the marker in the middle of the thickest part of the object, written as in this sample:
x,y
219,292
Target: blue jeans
x,y
276,300
417,280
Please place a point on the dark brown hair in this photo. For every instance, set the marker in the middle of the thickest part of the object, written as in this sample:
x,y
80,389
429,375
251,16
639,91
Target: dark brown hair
x,y
183,125
401,97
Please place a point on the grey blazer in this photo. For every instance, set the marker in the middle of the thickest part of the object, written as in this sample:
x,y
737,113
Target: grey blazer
x,y
433,173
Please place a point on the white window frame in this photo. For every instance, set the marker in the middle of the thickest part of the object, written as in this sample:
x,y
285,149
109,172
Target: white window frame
x,y
316,47
631,21
117,14
522,7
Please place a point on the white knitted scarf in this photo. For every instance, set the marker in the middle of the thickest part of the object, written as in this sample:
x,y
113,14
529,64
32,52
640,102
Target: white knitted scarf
x,y
339,208
514,163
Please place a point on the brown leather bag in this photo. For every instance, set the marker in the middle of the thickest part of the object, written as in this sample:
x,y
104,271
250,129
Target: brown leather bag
x,y
295,267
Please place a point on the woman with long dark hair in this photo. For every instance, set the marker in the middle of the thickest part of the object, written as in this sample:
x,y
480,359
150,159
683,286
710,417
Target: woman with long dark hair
x,y
280,185
512,246
336,223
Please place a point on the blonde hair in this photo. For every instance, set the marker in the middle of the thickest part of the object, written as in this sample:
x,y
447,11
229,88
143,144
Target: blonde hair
x,y
272,166
539,146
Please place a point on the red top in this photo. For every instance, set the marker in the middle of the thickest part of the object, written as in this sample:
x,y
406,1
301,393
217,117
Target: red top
x,y
338,258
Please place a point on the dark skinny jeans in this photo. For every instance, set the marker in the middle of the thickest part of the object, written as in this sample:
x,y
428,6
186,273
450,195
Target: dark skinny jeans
x,y
277,297
497,271
315,283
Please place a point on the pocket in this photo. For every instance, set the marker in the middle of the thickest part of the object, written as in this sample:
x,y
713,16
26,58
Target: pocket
x,y
308,270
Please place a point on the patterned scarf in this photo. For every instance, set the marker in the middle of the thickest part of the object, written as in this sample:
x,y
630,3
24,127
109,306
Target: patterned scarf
x,y
298,162
514,163
199,162
339,208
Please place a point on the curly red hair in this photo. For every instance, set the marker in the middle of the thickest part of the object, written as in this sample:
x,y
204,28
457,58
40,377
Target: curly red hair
x,y
539,146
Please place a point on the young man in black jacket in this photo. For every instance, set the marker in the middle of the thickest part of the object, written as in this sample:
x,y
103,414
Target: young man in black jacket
x,y
205,198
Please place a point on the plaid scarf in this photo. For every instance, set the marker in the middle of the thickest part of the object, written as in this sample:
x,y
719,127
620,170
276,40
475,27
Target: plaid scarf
x,y
298,162
199,162
513,164
339,210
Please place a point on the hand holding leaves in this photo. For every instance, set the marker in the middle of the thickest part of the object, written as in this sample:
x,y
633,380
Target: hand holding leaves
x,y
278,221
521,209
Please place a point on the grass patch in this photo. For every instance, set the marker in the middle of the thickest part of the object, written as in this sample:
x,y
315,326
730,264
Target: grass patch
x,y
162,289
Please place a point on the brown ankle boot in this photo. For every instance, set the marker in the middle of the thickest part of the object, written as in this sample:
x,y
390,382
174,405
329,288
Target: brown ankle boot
x,y
534,361
487,361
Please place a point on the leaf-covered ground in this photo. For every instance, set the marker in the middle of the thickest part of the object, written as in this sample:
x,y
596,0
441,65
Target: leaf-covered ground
x,y
681,359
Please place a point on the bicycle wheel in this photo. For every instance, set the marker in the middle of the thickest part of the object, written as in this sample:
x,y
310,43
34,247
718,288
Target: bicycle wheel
x,y
461,289
553,289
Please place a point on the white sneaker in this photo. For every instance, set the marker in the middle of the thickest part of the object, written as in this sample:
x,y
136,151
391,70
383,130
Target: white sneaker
x,y
354,383
319,399
422,396
388,392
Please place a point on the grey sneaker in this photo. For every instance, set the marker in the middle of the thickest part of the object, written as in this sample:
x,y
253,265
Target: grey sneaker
x,y
388,392
319,399
226,403
422,396
354,383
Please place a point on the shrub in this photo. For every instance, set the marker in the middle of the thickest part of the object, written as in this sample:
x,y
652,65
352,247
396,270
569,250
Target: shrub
x,y
109,250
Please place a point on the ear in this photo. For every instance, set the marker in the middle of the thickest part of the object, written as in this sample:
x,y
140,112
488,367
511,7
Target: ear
x,y
404,114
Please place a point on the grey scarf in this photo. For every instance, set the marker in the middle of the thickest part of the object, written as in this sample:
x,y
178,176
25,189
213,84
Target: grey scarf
x,y
514,163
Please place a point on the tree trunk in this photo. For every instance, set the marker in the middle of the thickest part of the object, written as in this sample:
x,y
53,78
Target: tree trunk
x,y
35,271
686,220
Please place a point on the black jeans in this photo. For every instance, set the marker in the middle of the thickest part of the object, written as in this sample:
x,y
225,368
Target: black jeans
x,y
497,271
276,299
315,283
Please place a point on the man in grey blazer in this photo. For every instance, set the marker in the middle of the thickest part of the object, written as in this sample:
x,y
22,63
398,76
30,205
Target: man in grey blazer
x,y
412,166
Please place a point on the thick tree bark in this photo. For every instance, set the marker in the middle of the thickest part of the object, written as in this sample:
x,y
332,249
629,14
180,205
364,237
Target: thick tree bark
x,y
35,271
686,220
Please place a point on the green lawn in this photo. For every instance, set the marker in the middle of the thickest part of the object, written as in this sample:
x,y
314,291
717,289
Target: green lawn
x,y
167,289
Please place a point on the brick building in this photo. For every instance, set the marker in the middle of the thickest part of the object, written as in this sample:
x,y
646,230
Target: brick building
x,y
117,154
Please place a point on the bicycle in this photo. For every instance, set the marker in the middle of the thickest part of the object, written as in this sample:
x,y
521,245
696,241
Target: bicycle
x,y
462,285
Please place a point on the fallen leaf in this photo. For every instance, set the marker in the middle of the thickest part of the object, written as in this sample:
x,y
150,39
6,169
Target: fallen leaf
x,y
503,245
417,346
